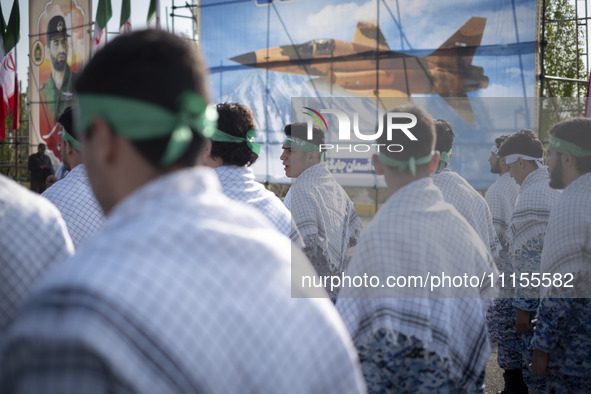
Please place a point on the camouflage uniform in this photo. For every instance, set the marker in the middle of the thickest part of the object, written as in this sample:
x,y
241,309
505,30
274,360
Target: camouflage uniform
x,y
564,315
563,331
410,364
526,236
500,317
528,259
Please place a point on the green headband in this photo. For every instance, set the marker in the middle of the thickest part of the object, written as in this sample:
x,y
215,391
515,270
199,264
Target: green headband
x,y
562,146
402,164
220,136
73,141
139,120
304,145
444,158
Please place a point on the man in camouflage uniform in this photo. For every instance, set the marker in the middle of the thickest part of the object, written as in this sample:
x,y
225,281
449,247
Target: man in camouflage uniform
x,y
523,153
501,197
561,339
57,92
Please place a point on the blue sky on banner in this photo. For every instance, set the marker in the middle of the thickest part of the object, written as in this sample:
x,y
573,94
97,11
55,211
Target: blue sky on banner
x,y
236,27
417,27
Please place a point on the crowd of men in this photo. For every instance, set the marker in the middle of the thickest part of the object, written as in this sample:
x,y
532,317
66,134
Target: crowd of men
x,y
159,264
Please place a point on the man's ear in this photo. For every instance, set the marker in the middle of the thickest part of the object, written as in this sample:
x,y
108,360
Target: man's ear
x,y
568,160
207,149
434,163
69,148
377,165
312,158
105,142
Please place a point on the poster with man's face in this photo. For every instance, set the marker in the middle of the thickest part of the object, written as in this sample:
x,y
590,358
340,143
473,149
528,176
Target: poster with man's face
x,y
59,39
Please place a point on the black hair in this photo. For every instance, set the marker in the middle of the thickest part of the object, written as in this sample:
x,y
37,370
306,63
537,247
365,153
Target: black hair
x,y
499,140
300,130
445,135
236,120
523,142
576,131
153,66
424,131
65,119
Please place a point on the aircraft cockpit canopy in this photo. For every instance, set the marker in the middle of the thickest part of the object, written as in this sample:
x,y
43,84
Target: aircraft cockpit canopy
x,y
321,47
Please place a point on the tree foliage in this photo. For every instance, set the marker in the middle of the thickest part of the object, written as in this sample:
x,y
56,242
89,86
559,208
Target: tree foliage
x,y
564,42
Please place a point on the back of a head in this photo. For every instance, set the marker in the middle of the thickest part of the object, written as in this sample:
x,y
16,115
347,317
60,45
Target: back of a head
x,y
576,131
65,119
523,142
152,66
300,130
499,140
424,131
236,120
445,135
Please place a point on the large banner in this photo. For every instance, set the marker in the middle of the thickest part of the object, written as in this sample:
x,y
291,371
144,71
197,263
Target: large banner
x,y
447,56
59,46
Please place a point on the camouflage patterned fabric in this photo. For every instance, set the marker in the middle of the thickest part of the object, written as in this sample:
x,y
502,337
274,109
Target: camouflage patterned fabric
x,y
563,331
395,363
501,328
564,324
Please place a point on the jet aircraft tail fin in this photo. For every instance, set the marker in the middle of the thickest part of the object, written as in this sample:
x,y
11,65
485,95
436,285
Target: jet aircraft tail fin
x,y
458,50
368,33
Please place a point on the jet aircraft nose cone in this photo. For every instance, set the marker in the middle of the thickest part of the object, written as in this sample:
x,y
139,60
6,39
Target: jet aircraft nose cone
x,y
248,59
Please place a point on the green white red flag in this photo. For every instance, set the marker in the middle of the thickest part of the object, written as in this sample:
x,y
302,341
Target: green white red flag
x,y
8,78
125,22
154,14
104,12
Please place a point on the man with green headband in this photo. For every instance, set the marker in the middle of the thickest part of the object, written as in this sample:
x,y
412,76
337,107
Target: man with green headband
x,y
561,336
323,213
183,290
409,337
523,153
501,197
458,192
231,152
72,195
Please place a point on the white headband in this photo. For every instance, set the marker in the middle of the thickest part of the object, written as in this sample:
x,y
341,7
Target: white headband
x,y
513,158
494,149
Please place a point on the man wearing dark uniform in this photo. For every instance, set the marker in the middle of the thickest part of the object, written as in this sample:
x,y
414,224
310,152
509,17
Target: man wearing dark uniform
x,y
40,168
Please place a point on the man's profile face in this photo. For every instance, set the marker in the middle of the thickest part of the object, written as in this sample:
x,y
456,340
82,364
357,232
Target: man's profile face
x,y
517,171
294,161
495,163
58,51
555,170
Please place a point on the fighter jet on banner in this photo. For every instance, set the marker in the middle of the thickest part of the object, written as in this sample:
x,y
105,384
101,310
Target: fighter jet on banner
x,y
367,67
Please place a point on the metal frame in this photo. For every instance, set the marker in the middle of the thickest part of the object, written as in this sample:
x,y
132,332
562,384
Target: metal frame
x,y
582,22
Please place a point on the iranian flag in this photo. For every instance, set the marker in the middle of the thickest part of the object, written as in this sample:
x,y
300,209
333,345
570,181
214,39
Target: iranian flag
x,y
8,77
125,23
103,14
154,14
